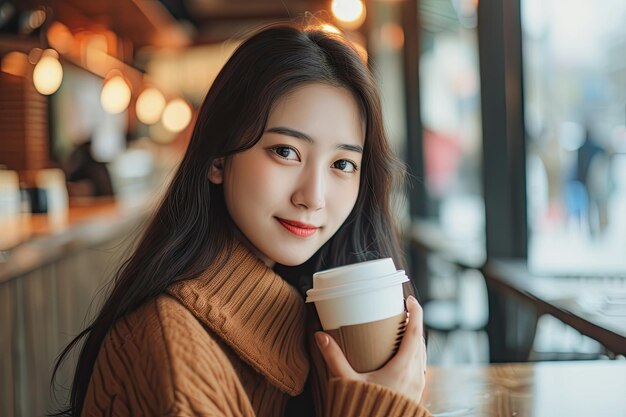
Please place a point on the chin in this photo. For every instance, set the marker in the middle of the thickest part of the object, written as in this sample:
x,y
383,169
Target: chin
x,y
291,261
288,259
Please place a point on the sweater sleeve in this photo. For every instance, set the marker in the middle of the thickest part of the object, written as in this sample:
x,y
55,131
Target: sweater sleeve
x,y
351,398
159,364
340,397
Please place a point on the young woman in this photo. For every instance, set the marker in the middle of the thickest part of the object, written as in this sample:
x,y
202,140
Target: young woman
x,y
288,171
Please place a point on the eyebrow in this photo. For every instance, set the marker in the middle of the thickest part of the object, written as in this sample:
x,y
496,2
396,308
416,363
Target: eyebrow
x,y
300,135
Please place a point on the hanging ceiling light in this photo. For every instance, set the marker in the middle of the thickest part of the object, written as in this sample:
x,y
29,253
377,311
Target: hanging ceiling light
x,y
150,105
177,115
48,73
349,13
115,95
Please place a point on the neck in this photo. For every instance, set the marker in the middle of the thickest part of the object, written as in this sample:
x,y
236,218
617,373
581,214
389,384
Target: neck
x,y
248,245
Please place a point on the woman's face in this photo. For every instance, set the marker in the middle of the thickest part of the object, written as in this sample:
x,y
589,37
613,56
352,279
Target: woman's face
x,y
291,192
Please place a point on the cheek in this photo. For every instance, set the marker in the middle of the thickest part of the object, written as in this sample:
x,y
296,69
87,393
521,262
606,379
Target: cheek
x,y
344,200
255,180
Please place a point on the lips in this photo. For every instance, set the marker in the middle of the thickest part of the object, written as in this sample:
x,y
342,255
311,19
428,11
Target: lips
x,y
298,228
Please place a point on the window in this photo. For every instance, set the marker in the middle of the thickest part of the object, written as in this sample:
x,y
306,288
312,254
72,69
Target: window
x,y
574,54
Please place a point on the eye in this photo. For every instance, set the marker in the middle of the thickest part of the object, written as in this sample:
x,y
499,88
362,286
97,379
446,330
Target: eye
x,y
345,166
286,152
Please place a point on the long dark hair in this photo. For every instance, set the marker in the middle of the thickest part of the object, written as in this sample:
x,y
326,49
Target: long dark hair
x,y
192,226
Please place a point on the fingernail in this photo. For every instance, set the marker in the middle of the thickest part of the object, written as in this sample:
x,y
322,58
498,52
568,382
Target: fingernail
x,y
412,299
321,339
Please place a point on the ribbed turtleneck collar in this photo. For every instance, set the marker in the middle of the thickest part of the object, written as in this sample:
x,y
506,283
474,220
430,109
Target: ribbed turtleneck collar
x,y
259,315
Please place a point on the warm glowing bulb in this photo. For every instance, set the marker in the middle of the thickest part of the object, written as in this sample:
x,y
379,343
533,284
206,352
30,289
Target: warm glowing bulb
x,y
347,11
115,95
150,105
48,75
176,115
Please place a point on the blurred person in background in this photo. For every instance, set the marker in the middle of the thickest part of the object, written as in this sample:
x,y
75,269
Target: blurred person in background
x,y
590,184
87,177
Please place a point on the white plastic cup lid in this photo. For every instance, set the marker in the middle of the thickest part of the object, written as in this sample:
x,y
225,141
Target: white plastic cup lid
x,y
349,274
355,278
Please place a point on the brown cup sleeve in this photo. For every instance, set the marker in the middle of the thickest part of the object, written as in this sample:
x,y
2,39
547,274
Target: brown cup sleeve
x,y
369,346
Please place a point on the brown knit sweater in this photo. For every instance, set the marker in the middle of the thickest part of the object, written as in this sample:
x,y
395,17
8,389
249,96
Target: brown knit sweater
x,y
228,343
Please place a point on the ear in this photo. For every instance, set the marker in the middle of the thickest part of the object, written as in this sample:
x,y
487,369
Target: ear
x,y
216,171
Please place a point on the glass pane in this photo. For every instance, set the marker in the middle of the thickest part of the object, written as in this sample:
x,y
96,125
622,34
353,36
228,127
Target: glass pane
x,y
575,96
450,107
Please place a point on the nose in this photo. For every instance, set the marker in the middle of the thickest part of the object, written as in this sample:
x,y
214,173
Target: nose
x,y
310,192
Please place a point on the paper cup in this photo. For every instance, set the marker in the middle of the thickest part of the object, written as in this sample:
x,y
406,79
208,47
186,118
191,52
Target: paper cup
x,y
362,307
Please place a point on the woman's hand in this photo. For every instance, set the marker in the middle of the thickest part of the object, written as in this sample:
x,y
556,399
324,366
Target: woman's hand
x,y
404,373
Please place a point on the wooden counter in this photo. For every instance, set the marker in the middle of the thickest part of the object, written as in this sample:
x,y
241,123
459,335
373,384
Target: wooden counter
x,y
53,279
35,240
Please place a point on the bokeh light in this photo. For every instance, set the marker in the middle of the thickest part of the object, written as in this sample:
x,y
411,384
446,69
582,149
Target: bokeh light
x,y
48,73
115,95
150,105
177,115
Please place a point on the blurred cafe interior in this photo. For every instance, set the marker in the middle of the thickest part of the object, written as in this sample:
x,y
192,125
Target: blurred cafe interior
x,y
510,116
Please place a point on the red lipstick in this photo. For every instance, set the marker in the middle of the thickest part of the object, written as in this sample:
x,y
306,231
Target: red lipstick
x,y
298,228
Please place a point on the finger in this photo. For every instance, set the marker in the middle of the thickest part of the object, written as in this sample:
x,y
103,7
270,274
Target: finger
x,y
413,335
336,361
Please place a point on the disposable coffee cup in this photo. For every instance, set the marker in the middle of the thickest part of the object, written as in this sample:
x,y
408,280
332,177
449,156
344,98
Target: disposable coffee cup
x,y
362,307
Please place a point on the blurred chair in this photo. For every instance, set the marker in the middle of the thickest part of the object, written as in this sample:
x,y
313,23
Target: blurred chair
x,y
457,315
